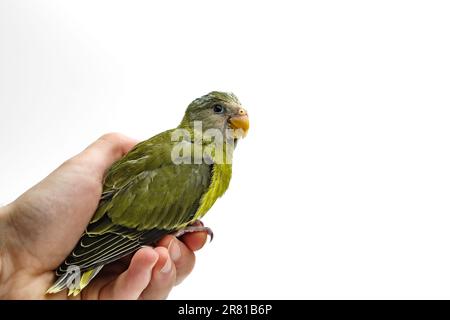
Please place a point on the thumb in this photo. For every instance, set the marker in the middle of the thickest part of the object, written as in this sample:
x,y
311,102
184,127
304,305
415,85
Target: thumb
x,y
101,154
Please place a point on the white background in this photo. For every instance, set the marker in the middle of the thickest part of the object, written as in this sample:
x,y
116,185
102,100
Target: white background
x,y
341,189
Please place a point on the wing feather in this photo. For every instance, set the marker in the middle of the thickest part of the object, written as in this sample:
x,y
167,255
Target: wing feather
x,y
145,196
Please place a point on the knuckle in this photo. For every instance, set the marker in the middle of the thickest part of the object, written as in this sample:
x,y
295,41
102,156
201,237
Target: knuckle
x,y
111,136
70,163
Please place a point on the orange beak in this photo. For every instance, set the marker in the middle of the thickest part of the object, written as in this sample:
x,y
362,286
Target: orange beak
x,y
240,122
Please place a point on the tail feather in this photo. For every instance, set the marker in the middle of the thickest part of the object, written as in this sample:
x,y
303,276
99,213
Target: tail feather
x,y
71,280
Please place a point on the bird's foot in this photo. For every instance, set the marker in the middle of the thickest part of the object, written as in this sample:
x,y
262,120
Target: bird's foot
x,y
197,226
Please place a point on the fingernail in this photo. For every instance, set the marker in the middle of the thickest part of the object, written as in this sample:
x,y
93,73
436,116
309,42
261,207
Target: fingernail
x,y
167,267
174,250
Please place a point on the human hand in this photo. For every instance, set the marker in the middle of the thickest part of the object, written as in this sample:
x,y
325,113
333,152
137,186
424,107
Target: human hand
x,y
40,229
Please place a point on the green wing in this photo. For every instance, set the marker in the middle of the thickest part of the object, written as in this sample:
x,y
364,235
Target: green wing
x,y
145,196
146,190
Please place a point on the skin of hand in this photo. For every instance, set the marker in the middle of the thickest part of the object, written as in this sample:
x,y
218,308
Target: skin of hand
x,y
41,227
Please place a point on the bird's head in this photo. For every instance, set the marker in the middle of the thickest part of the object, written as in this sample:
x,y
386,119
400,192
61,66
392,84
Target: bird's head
x,y
218,110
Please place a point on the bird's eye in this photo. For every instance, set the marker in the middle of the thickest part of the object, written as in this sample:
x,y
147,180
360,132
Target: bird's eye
x,y
217,108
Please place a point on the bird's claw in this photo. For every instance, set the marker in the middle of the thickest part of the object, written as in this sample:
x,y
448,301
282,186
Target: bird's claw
x,y
195,228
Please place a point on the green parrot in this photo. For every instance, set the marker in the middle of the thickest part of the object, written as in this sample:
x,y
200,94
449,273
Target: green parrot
x,y
162,186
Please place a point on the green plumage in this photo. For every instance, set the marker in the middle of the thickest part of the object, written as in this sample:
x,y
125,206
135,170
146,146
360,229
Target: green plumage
x,y
145,181
146,195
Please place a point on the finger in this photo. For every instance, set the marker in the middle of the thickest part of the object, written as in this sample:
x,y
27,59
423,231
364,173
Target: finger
x,y
131,283
101,154
195,240
181,255
163,277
